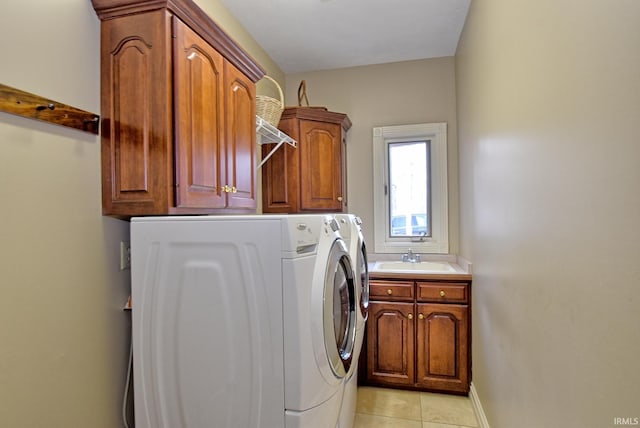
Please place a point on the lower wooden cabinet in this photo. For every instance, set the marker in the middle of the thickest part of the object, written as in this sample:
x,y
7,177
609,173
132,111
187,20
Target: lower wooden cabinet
x,y
418,335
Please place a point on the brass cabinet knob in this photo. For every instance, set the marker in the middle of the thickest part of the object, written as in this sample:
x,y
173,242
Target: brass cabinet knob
x,y
421,316
234,189
442,293
226,188
339,198
410,316
389,292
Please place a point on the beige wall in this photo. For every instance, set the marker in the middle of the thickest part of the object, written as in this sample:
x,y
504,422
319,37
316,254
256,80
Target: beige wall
x,y
380,95
221,15
64,340
548,111
64,337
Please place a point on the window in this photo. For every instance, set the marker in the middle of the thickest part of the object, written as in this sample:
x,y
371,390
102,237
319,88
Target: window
x,y
410,188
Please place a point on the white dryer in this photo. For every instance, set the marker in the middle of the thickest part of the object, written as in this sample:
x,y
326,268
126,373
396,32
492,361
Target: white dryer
x,y
351,232
240,321
320,321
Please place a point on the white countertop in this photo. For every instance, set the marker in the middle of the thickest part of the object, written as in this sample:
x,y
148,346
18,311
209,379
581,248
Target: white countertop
x,y
432,266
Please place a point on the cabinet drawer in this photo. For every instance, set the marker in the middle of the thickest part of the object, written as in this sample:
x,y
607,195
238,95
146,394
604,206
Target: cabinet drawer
x,y
443,292
391,290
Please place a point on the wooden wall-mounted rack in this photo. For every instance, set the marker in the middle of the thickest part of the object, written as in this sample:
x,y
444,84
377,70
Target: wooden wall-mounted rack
x,y
25,104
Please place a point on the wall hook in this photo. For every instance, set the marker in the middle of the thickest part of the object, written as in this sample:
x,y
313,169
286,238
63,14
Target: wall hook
x,y
49,106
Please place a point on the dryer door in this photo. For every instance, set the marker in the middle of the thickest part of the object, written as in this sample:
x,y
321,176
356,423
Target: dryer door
x,y
339,311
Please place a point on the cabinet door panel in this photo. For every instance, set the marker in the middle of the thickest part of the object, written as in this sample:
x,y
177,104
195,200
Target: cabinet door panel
x,y
442,347
390,343
320,166
240,96
200,155
132,142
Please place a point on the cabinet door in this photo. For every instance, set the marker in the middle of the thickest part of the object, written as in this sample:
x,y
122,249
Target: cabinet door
x,y
199,134
280,173
442,347
390,343
320,166
240,97
136,105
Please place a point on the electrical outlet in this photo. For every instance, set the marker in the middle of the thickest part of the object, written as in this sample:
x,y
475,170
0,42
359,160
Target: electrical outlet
x,y
125,255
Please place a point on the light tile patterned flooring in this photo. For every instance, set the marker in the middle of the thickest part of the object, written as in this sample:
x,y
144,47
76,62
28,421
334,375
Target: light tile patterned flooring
x,y
394,408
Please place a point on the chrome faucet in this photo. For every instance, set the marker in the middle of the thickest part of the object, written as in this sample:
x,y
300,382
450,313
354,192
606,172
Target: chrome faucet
x,y
410,257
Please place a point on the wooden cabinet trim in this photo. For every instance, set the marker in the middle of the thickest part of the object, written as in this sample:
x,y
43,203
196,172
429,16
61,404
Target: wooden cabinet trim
x,y
317,114
193,16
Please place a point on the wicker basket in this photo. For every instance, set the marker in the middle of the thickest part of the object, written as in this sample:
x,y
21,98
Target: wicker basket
x,y
269,108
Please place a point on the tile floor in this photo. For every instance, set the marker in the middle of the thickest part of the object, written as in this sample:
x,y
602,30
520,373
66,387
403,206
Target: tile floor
x,y
393,408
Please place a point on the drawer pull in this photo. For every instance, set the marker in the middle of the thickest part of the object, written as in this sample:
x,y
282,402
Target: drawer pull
x,y
442,293
389,292
421,316
410,316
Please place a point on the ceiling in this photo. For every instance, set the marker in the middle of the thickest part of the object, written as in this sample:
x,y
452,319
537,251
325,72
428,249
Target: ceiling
x,y
309,35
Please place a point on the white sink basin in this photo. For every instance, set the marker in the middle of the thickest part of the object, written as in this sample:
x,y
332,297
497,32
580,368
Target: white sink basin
x,y
413,267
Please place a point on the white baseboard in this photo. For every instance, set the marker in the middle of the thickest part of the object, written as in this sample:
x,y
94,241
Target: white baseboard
x,y
477,407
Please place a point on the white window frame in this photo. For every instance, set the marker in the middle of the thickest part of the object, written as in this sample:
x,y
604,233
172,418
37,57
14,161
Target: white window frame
x,y
438,242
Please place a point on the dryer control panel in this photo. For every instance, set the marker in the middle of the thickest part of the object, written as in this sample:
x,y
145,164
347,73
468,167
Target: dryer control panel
x,y
301,233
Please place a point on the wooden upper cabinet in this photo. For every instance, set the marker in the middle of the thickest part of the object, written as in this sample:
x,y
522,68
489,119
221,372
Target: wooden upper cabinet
x,y
178,109
311,177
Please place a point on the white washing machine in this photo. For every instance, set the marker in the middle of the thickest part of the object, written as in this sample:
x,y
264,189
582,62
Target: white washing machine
x,y
319,301
351,232
240,321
